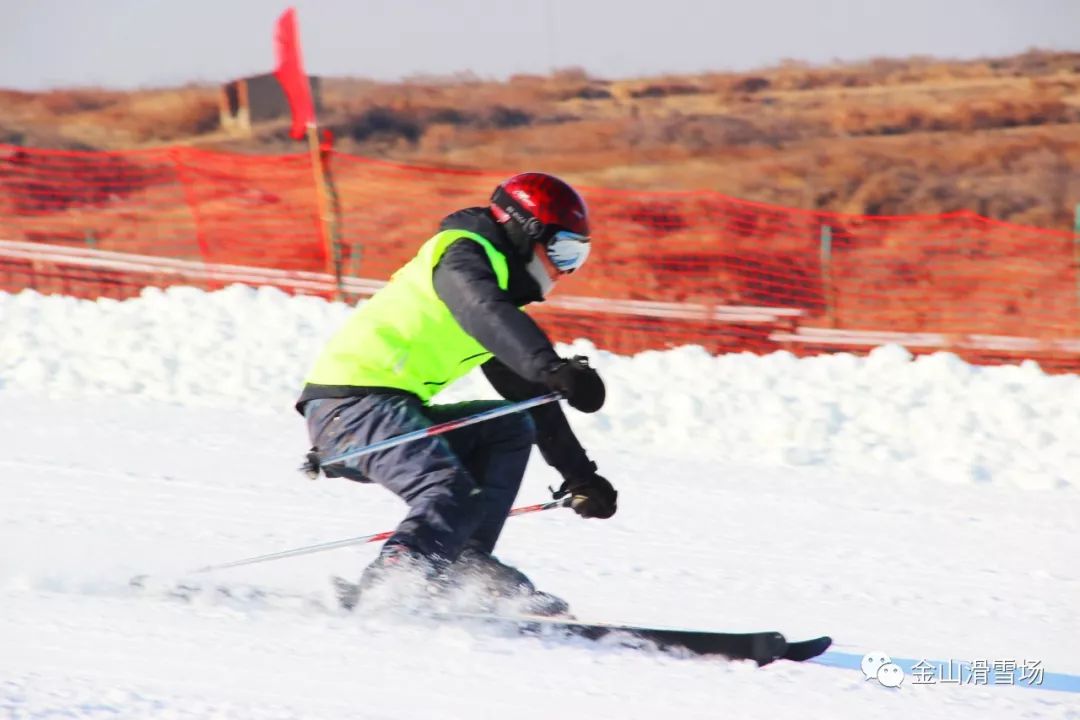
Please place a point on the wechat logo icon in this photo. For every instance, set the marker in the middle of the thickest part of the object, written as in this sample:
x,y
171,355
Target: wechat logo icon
x,y
879,666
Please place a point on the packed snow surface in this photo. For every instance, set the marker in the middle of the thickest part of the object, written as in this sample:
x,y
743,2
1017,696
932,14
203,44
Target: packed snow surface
x,y
920,507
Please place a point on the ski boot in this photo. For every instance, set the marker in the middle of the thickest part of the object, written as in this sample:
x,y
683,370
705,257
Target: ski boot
x,y
479,578
399,578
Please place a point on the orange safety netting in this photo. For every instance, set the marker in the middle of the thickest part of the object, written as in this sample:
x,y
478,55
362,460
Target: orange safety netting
x,y
667,268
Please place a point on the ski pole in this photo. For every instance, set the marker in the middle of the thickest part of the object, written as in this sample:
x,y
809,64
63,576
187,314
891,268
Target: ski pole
x,y
312,466
362,539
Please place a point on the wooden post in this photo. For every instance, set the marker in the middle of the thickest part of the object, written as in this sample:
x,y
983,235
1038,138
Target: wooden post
x,y
243,104
826,274
1076,257
225,118
328,210
192,201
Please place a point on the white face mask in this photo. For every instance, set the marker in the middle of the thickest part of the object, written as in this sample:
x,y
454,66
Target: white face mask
x,y
540,274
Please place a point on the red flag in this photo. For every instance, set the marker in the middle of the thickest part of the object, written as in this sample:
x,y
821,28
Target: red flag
x,y
290,73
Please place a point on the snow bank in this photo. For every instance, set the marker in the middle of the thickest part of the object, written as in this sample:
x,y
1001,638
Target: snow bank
x,y
888,415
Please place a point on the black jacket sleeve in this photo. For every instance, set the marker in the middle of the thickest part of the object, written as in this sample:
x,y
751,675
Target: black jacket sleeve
x,y
554,437
466,282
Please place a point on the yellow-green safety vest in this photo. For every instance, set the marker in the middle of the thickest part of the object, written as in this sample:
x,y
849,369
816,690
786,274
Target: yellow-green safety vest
x,y
404,337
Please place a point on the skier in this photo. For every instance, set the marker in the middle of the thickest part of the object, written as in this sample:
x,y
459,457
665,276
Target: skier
x,y
457,305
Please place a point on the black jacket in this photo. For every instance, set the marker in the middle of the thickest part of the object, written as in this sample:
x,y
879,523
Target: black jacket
x,y
465,281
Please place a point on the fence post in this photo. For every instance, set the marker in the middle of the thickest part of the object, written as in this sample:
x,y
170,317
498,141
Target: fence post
x,y
826,274
328,209
1076,257
192,200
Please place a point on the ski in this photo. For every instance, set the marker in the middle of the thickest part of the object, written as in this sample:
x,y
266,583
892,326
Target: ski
x,y
761,647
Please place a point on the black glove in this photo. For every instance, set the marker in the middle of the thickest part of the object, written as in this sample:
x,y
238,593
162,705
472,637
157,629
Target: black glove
x,y
313,466
593,496
578,383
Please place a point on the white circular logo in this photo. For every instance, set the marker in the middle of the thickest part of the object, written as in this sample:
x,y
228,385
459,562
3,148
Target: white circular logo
x,y
890,675
872,662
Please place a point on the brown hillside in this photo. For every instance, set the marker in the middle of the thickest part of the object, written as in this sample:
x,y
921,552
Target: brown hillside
x,y
997,136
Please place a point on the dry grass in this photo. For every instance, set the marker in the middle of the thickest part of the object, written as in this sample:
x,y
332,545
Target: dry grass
x,y
999,136
84,118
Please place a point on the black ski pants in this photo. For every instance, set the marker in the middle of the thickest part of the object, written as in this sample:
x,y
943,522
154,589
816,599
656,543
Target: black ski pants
x,y
459,486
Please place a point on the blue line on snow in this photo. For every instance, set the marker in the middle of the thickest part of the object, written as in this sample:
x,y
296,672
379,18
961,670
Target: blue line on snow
x,y
1061,682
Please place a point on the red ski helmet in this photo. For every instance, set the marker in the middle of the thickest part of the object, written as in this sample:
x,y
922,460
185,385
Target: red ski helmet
x,y
536,207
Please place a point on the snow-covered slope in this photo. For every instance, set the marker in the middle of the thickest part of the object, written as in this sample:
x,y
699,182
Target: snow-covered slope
x,y
935,418
922,508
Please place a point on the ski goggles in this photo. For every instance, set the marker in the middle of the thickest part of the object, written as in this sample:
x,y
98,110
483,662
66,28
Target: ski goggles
x,y
568,251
